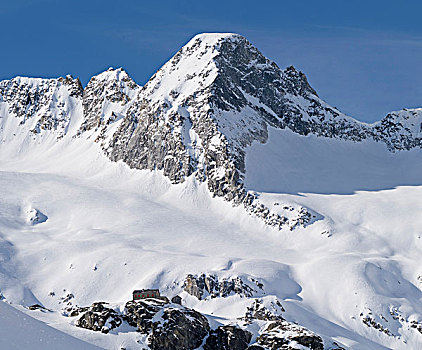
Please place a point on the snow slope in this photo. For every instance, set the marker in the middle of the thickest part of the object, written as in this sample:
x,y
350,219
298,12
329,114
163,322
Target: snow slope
x,y
20,331
73,222
308,164
143,231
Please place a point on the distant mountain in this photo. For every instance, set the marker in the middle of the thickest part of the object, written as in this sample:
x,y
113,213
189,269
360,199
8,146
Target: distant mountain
x,y
197,115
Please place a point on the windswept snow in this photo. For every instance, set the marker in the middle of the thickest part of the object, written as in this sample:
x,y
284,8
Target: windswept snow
x,y
20,331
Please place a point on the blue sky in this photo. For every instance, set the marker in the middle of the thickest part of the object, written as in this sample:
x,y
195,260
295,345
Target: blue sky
x,y
363,57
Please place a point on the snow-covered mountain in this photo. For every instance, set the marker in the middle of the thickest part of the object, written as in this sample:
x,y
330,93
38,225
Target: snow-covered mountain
x,y
223,170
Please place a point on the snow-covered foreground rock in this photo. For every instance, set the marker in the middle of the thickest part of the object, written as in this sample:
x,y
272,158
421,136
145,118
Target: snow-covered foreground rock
x,y
282,223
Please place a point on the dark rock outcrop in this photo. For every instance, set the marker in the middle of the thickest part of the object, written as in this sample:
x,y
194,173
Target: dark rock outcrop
x,y
110,90
204,285
42,103
140,313
176,300
369,320
37,307
99,318
175,328
228,338
257,311
283,335
178,329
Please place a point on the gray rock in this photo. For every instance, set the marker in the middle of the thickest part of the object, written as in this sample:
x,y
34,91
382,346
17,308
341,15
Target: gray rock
x,y
176,300
35,216
113,86
228,338
34,98
173,327
257,311
179,329
204,285
176,328
281,335
99,318
37,307
140,313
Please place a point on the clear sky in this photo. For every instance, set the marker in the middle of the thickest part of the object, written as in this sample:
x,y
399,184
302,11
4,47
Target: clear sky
x,y
363,57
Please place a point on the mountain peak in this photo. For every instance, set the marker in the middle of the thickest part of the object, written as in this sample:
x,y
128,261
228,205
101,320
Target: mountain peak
x,y
214,38
104,97
112,74
197,65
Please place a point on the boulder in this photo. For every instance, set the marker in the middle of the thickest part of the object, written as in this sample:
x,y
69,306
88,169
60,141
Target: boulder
x,y
176,300
99,318
285,335
258,311
140,313
179,328
228,338
38,307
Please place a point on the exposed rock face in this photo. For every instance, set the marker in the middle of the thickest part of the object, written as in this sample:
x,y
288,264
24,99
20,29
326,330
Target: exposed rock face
x,y
258,311
105,100
99,318
285,335
371,322
200,120
176,300
175,328
140,314
209,285
400,130
228,338
38,307
42,104
144,142
215,97
179,329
